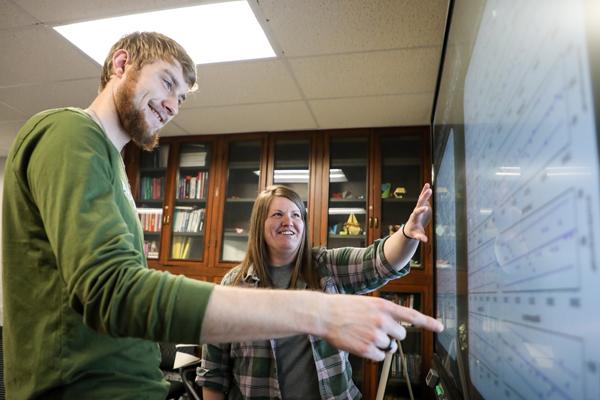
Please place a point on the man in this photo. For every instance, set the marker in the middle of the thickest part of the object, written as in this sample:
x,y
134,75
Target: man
x,y
82,309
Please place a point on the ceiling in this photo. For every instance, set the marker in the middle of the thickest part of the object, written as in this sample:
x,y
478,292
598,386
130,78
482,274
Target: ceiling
x,y
340,64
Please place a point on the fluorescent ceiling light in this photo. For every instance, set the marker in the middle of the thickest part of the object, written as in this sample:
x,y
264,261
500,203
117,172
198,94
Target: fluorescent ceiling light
x,y
302,175
210,33
346,210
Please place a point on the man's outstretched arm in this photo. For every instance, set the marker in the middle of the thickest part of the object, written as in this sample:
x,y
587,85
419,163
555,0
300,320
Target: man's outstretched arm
x,y
361,325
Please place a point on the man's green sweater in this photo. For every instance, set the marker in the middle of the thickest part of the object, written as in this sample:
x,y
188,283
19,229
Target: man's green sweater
x,y
81,307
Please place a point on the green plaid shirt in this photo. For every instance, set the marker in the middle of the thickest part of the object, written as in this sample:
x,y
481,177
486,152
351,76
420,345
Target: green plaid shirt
x,y
248,370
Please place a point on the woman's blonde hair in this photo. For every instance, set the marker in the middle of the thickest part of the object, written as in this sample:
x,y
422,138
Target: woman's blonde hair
x,y
147,47
257,255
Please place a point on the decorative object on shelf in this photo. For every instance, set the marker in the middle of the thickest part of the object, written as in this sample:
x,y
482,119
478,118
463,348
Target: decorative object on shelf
x,y
361,197
239,231
346,194
336,195
399,192
351,226
393,228
334,229
415,263
386,190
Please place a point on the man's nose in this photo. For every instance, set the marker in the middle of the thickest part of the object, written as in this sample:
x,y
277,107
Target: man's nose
x,y
171,105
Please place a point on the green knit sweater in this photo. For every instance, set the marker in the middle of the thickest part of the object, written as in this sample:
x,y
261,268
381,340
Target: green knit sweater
x,y
81,308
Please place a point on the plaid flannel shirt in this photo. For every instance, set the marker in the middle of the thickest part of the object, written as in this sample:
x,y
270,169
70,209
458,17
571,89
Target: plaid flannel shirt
x,y
248,370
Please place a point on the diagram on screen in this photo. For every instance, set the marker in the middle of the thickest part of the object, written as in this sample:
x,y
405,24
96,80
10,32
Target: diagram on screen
x,y
533,204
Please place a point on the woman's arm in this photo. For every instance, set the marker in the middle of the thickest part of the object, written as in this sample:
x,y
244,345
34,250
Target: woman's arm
x,y
399,249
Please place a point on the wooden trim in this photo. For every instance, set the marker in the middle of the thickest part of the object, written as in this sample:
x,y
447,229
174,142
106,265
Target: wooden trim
x,y
212,270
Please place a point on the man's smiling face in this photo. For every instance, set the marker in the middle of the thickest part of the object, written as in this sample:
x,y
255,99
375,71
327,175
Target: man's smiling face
x,y
148,98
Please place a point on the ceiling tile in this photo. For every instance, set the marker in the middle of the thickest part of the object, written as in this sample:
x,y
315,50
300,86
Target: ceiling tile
x,y
362,74
8,112
373,111
78,93
243,82
39,54
247,118
66,11
311,27
8,132
11,16
172,129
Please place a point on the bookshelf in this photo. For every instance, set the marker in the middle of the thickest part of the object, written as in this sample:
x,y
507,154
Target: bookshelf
x,y
195,195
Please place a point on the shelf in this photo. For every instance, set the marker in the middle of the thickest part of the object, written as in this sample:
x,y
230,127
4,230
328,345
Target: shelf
x,y
244,165
354,237
152,170
345,201
348,162
193,168
402,161
346,211
235,235
190,201
188,234
291,164
402,200
150,201
240,200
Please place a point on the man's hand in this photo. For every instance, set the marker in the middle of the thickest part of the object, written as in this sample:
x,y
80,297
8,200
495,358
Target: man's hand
x,y
365,325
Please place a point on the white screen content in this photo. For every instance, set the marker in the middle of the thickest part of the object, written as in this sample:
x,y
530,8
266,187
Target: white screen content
x,y
533,204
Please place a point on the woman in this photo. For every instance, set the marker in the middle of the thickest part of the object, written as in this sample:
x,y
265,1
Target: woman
x,y
279,256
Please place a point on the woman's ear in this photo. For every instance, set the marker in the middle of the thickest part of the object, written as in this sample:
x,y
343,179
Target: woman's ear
x,y
120,59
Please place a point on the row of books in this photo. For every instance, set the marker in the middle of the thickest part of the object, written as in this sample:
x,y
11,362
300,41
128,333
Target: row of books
x,y
150,218
404,299
192,159
413,366
152,188
156,159
188,219
192,187
151,248
181,247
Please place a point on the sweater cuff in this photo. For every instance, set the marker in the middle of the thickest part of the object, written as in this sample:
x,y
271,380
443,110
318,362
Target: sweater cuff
x,y
192,300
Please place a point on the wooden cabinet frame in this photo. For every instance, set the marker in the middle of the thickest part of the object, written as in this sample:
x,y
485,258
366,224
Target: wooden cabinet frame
x,y
212,269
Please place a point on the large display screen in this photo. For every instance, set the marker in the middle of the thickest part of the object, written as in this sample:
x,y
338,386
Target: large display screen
x,y
528,96
445,236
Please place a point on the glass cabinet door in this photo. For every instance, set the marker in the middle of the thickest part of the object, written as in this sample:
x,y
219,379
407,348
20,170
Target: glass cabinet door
x,y
347,210
243,173
187,224
291,165
153,169
401,183
408,361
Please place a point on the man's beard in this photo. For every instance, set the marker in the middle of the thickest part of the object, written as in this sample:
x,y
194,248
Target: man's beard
x,y
133,119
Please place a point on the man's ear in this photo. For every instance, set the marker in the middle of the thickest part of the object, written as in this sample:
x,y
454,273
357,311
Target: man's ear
x,y
120,59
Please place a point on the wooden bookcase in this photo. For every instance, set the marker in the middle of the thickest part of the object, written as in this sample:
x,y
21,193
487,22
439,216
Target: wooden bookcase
x,y
198,192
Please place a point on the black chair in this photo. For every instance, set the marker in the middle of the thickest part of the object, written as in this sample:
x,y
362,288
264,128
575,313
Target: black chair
x,y
188,377
167,358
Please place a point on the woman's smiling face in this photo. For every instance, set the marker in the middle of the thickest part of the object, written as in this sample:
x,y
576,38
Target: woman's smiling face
x,y
284,231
